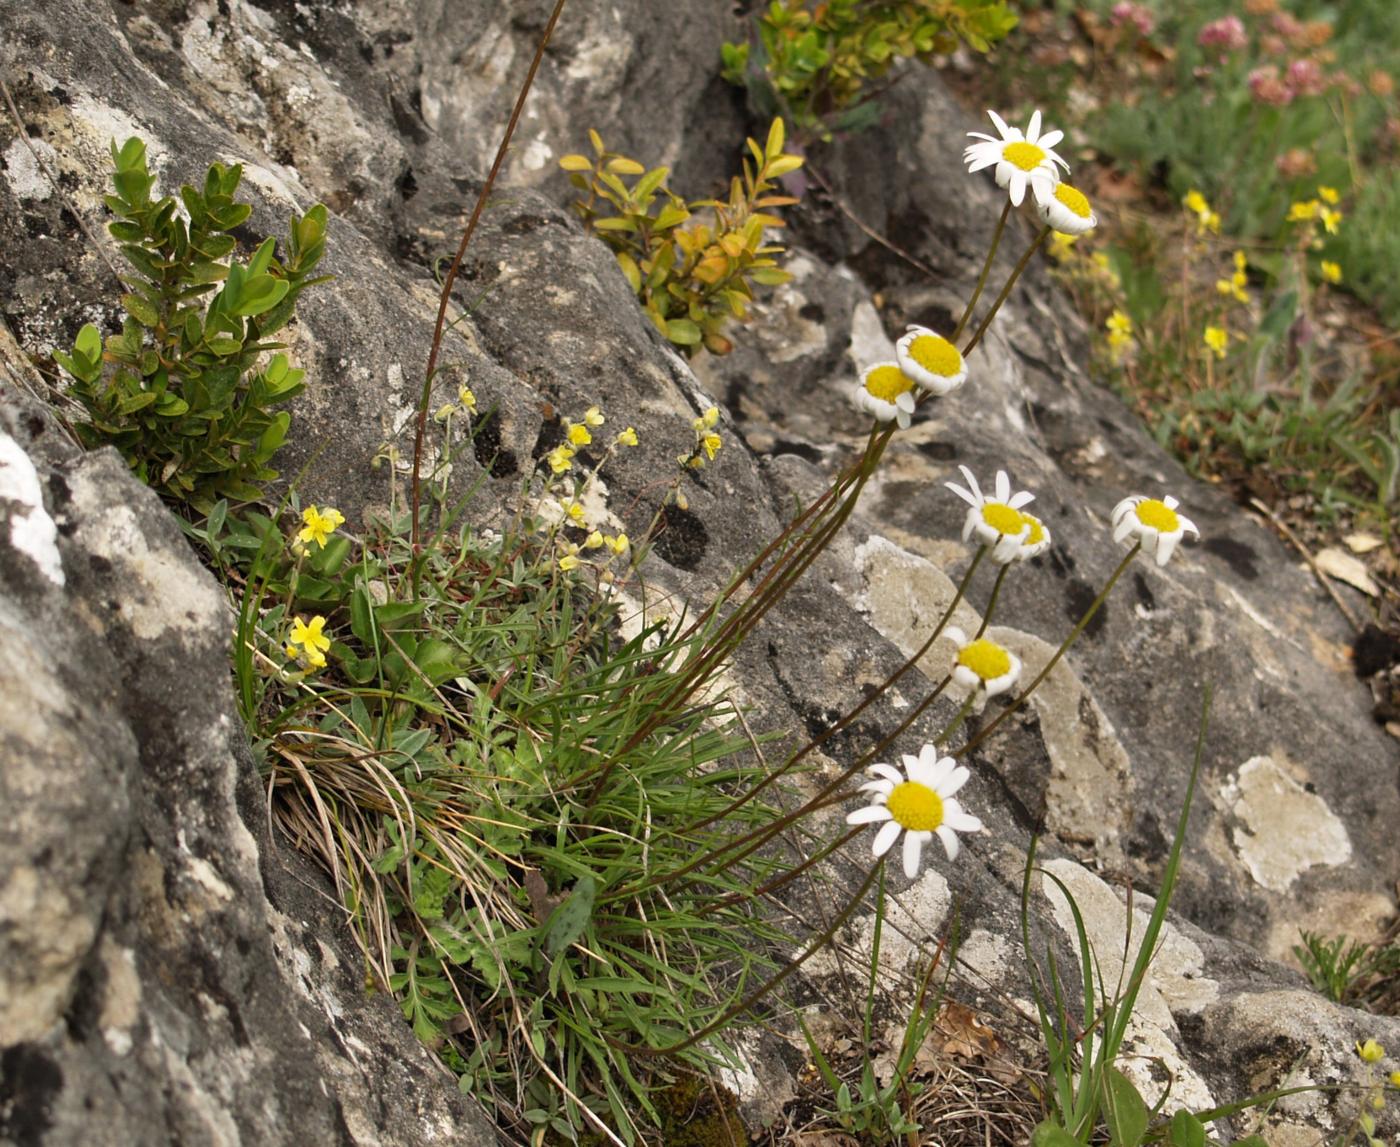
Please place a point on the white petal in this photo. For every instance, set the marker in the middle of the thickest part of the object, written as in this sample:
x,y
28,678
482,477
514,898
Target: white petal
x,y
1170,502
950,841
889,772
905,402
1124,527
1003,486
920,771
885,838
965,495
1124,506
966,677
972,485
959,819
903,419
1188,524
1033,129
882,788
1017,183
913,849
870,814
956,636
1050,139
952,779
1166,543
1023,498
981,162
1001,125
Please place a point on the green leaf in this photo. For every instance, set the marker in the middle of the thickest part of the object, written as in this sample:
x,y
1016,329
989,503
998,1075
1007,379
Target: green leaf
x,y
1185,1130
1048,1134
683,332
141,309
1124,1108
259,293
567,922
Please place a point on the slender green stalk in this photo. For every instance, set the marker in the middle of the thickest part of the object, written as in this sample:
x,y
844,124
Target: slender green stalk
x,y
1074,633
1006,290
982,278
958,718
992,601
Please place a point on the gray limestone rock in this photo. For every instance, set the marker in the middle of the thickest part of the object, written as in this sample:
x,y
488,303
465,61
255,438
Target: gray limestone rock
x,y
130,773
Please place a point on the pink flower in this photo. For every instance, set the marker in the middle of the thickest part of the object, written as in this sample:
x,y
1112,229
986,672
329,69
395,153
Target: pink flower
x,y
1305,78
1127,13
1266,87
1290,28
1227,34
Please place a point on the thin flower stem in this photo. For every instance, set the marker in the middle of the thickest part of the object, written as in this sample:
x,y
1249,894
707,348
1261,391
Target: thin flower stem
x,y
763,989
992,601
958,718
1006,290
1074,633
889,683
982,278
450,279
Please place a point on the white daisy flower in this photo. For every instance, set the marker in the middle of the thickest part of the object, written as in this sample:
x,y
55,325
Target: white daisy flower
x,y
931,361
1064,208
983,664
886,392
1020,159
997,522
1155,523
918,802
1036,542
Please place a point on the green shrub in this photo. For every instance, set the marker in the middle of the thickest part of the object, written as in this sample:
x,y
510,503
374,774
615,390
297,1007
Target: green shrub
x,y
184,391
816,61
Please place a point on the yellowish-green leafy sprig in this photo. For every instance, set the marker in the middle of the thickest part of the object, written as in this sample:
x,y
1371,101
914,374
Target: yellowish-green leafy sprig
x,y
691,276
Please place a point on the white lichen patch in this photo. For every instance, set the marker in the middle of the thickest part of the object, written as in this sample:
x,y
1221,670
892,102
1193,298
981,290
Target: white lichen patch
x,y
1281,830
121,995
1175,982
23,173
32,531
869,343
904,596
909,938
164,591
986,956
1087,790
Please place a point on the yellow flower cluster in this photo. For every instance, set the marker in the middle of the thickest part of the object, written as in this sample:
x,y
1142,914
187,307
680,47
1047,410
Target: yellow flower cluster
x,y
1206,219
1217,340
707,441
1322,210
1120,335
319,525
1235,286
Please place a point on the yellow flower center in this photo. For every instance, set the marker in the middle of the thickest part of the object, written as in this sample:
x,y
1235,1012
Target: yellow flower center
x,y
1158,515
1002,518
888,382
985,658
936,355
1037,533
1024,155
1074,199
916,807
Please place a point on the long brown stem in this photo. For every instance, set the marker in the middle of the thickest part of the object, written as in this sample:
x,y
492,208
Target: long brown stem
x,y
982,278
451,277
1006,290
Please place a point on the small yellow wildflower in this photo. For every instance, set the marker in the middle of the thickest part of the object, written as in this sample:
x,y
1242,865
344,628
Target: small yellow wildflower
x,y
1329,195
560,459
1217,339
467,399
1370,1051
627,438
578,435
711,442
1061,246
1206,219
1394,1078
593,417
1378,1103
1332,272
1303,212
618,545
593,541
575,513
444,412
1120,335
318,525
710,417
1330,219
568,562
312,641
